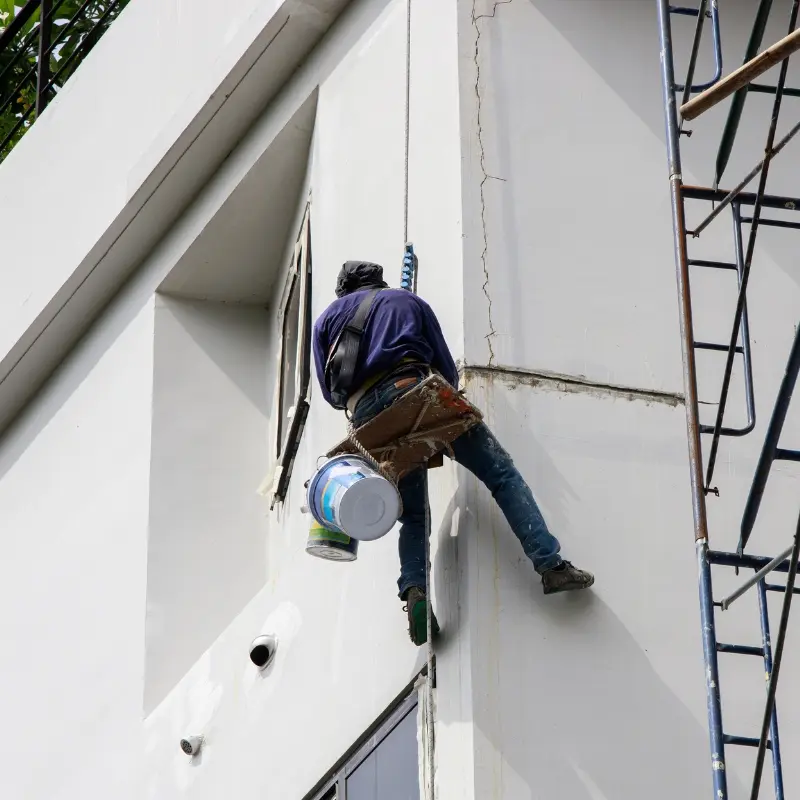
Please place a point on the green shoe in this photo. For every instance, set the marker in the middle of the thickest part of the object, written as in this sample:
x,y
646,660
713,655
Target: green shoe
x,y
417,608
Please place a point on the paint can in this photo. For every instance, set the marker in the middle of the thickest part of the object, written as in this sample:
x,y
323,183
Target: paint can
x,y
330,545
347,495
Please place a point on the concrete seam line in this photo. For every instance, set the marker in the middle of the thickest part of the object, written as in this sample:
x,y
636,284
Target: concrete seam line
x,y
573,384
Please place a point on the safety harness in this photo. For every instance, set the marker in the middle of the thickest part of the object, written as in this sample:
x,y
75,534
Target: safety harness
x,y
340,368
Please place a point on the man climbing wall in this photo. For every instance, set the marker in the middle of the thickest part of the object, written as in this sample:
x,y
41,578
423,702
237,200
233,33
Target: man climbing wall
x,y
400,342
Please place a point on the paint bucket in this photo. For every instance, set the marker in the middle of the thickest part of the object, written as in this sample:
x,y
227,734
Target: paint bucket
x,y
347,495
330,545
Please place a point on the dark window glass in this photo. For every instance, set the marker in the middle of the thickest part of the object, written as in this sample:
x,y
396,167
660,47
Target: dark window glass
x,y
294,370
391,771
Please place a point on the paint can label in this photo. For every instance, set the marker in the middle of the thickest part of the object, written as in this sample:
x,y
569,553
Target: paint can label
x,y
330,545
341,479
318,532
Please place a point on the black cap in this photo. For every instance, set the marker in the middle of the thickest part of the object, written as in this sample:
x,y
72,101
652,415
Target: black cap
x,y
355,275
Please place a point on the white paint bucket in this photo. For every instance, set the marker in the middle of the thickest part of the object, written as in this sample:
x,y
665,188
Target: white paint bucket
x,y
347,495
330,545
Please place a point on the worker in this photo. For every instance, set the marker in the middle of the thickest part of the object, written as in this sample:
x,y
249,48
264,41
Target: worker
x,y
400,342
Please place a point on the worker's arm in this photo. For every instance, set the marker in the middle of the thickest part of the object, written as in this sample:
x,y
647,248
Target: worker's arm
x,y
442,359
321,346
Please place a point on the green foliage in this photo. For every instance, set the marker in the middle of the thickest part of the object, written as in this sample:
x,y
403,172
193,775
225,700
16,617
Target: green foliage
x,y
74,34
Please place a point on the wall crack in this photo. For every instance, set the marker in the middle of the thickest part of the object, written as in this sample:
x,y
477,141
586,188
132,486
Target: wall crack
x,y
485,176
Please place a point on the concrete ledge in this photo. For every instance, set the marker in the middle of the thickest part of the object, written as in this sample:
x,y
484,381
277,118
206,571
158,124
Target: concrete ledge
x,y
82,224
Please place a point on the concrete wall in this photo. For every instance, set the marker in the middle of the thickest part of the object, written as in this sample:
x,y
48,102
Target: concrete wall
x,y
144,135
187,52
583,695
568,270
74,494
344,652
209,576
206,552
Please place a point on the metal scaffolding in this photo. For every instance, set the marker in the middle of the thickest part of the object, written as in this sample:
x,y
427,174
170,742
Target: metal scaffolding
x,y
746,210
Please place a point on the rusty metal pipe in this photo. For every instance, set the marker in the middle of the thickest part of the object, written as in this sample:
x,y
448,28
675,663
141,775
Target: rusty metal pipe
x,y
741,77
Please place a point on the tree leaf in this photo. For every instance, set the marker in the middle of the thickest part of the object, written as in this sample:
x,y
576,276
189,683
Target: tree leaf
x,y
7,7
34,20
79,38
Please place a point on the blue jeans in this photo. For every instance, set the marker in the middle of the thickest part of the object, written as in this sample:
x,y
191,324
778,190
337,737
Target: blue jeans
x,y
480,452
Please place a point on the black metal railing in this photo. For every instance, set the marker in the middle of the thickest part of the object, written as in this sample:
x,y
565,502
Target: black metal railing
x,y
42,42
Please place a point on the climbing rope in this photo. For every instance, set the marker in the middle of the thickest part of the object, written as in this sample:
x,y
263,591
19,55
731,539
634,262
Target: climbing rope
x,y
431,677
383,467
409,266
409,282
407,120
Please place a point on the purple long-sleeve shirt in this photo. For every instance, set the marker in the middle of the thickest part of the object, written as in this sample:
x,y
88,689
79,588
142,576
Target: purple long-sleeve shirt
x,y
399,325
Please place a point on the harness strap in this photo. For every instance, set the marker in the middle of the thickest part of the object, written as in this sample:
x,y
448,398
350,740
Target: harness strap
x,y
341,366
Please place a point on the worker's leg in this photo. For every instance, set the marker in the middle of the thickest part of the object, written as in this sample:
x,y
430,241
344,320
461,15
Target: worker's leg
x,y
413,490
480,452
413,487
412,584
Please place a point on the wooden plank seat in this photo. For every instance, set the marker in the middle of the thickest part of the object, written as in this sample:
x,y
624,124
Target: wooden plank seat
x,y
416,429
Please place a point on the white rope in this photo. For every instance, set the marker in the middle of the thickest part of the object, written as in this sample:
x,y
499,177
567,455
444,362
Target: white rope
x,y
429,720
428,739
368,457
408,121
383,468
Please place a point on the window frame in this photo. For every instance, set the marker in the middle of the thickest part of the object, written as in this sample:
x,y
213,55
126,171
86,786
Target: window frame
x,y
291,286
334,785
287,439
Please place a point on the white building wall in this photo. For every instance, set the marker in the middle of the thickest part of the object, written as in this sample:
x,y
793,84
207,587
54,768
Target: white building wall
x,y
569,271
74,494
207,531
538,206
339,626
148,118
344,653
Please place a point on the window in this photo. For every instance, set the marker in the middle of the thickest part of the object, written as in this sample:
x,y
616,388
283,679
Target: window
x,y
289,356
294,372
391,770
383,766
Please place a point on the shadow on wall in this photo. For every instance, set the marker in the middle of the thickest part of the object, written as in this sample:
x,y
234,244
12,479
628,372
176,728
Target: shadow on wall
x,y
593,718
566,702
68,376
621,45
450,582
206,523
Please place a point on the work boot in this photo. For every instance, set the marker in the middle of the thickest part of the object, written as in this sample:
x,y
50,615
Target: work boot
x,y
566,578
417,608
